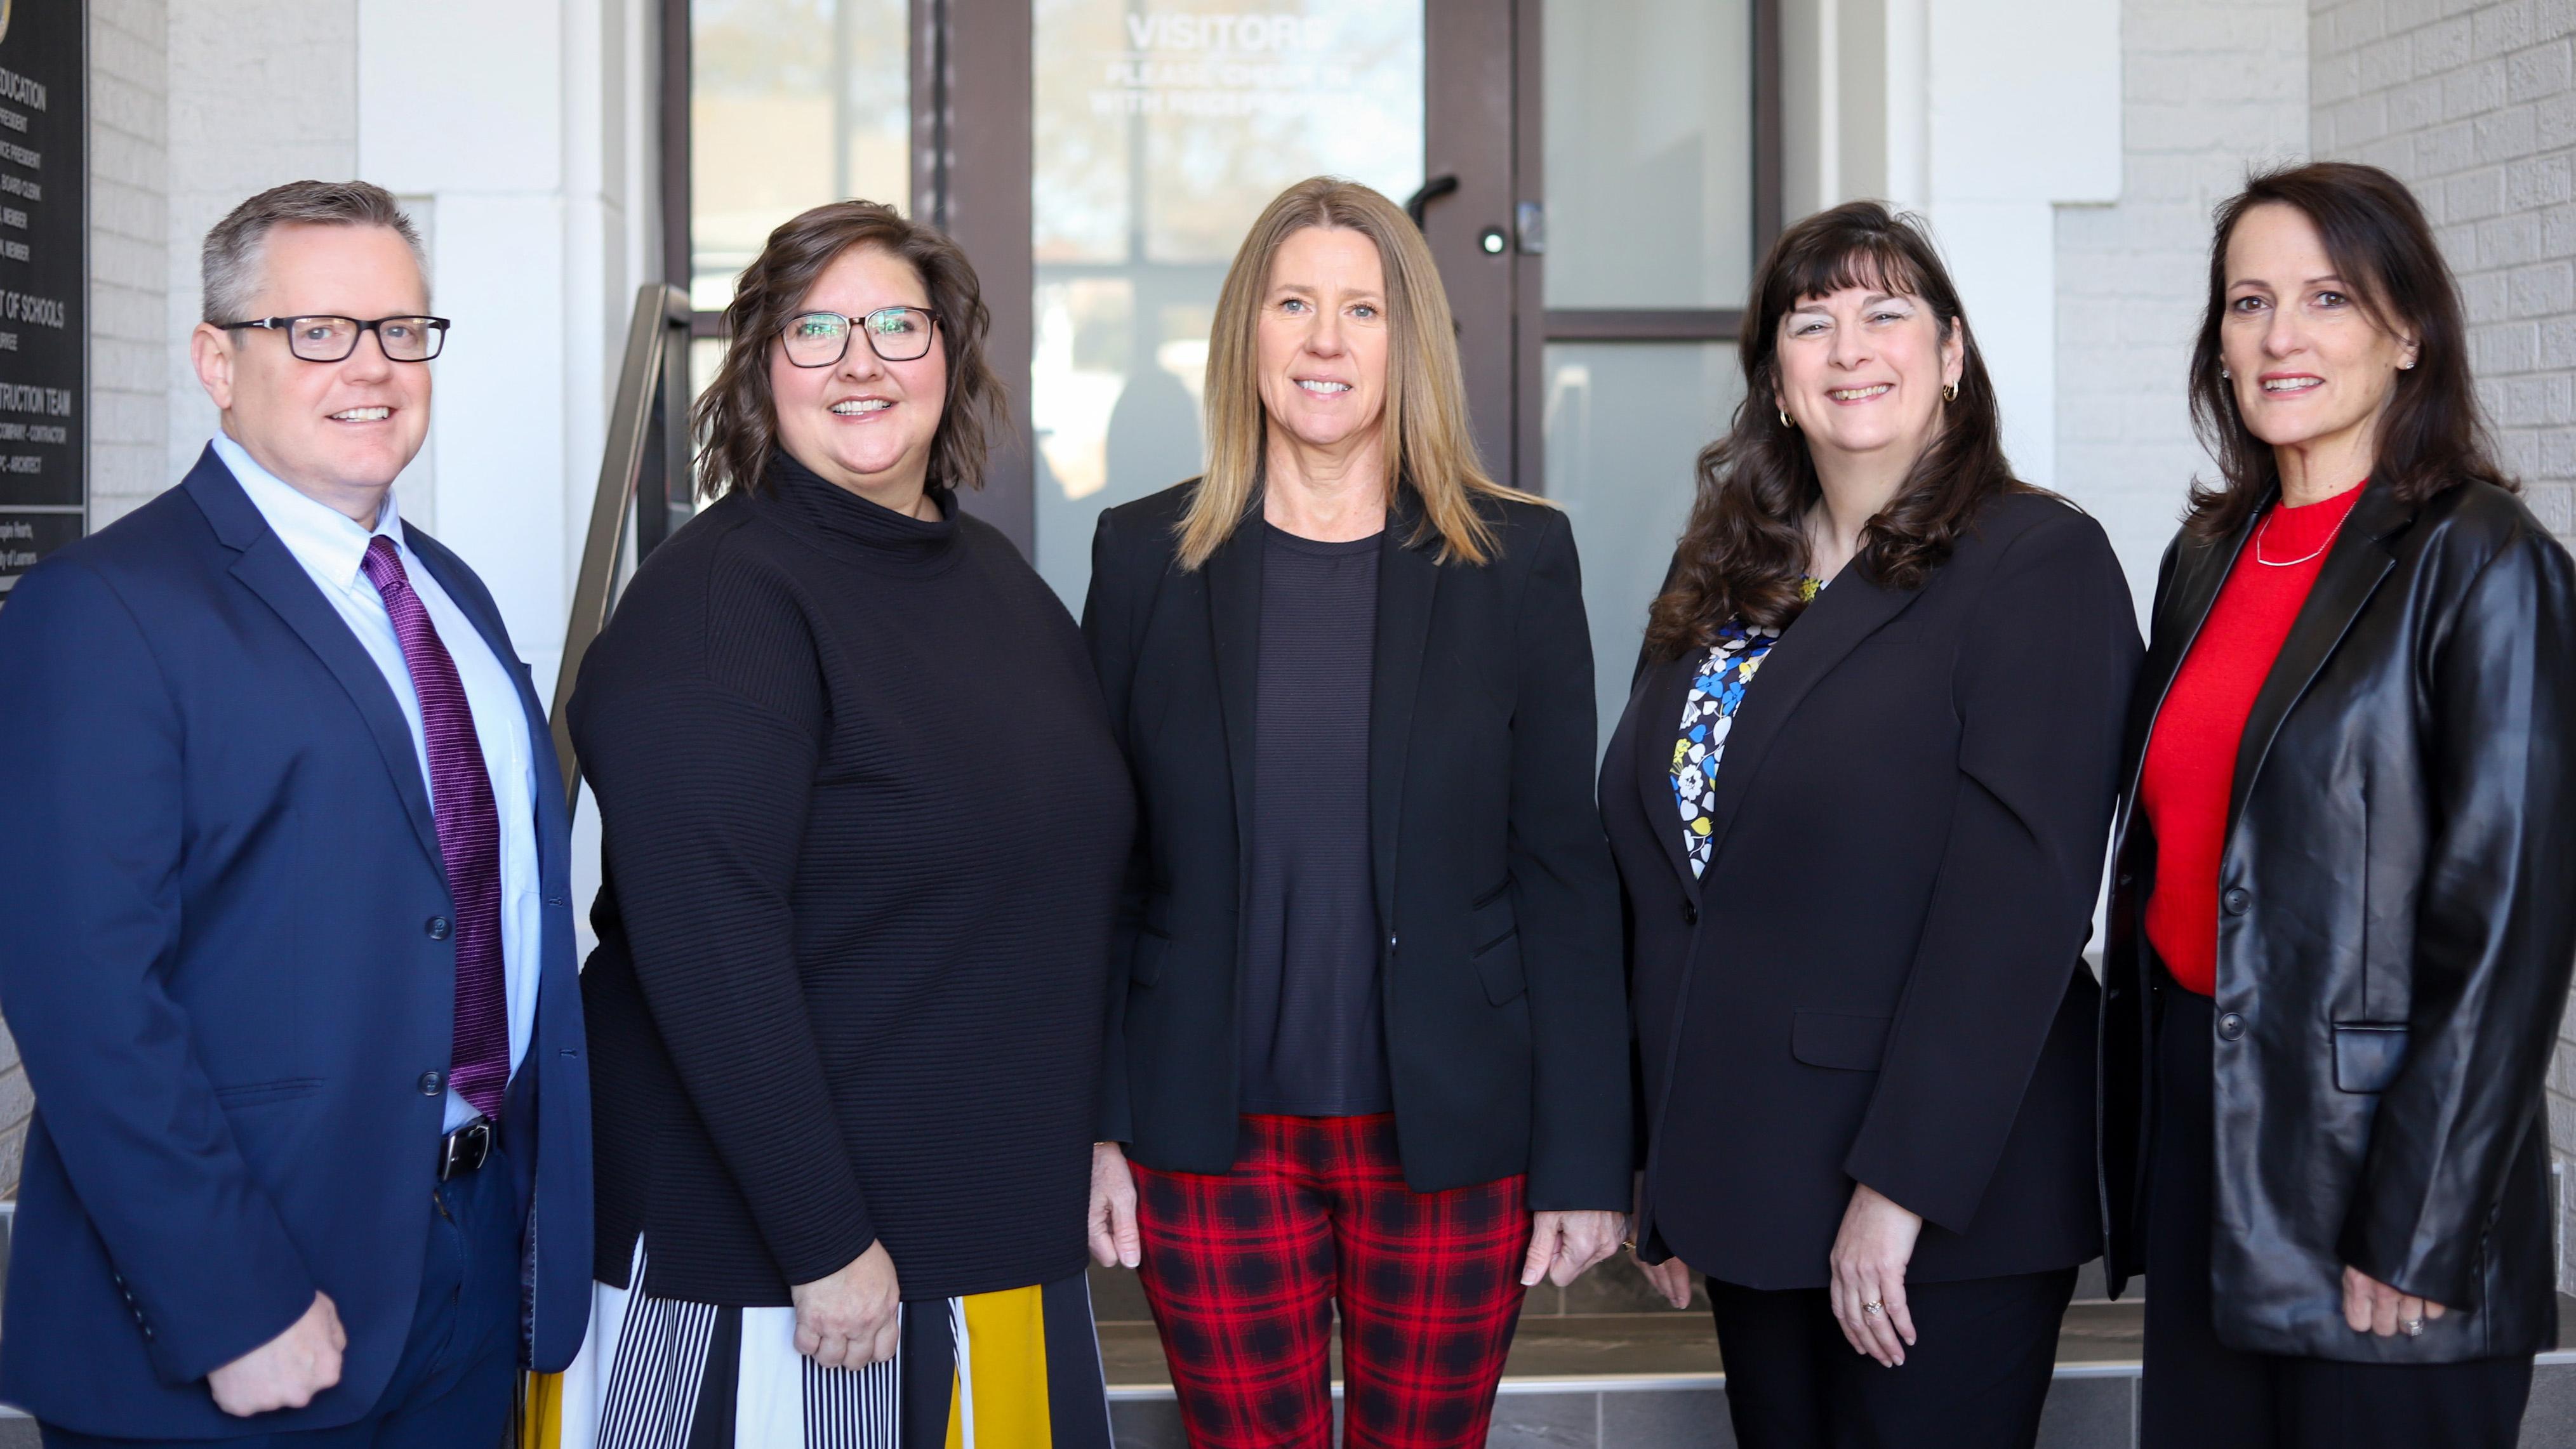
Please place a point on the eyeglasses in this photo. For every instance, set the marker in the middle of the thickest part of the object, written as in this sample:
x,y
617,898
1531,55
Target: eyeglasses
x,y
332,339
897,334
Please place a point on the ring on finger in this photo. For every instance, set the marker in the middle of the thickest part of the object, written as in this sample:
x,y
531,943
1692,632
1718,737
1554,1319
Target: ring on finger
x,y
2414,1327
1873,1308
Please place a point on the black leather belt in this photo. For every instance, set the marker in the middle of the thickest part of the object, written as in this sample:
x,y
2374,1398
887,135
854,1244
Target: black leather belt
x,y
467,1148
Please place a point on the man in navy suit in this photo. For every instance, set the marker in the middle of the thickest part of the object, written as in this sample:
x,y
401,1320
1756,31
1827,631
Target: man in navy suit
x,y
284,926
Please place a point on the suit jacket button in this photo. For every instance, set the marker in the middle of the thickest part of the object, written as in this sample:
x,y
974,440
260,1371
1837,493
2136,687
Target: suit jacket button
x,y
439,929
2238,900
1690,911
430,1082
2231,1027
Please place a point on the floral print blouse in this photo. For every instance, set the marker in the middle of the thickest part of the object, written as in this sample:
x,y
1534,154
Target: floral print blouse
x,y
1716,692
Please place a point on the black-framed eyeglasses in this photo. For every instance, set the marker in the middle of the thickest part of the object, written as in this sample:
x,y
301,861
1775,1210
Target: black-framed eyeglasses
x,y
897,334
332,339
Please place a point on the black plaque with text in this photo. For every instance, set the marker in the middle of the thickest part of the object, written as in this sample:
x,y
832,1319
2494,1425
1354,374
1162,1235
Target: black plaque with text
x,y
44,280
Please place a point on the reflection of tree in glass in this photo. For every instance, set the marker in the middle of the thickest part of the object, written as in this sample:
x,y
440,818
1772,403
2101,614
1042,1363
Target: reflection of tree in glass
x,y
1079,177
1163,127
1215,133
793,103
1352,109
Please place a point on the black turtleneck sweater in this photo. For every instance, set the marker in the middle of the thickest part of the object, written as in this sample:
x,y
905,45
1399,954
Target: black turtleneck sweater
x,y
864,824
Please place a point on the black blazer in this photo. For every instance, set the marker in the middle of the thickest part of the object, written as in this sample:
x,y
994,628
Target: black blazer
x,y
1506,1036
2395,932
1879,978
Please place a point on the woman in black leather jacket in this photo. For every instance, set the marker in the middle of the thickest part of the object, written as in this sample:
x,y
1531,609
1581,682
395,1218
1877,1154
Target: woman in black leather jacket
x,y
2342,916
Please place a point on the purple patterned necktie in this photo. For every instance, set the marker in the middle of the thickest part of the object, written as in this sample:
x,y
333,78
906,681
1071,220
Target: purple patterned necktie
x,y
469,836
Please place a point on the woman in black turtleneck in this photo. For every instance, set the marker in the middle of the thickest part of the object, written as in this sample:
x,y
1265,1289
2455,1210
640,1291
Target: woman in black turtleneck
x,y
863,825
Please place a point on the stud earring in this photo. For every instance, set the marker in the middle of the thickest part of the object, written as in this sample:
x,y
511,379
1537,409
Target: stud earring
x,y
2407,366
1950,392
2224,373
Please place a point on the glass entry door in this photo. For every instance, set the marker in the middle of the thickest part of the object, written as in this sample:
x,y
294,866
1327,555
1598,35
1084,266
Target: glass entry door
x,y
1160,130
1594,177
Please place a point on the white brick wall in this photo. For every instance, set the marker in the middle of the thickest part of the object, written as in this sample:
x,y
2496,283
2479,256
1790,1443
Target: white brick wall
x,y
2210,88
129,208
261,92
2473,102
129,179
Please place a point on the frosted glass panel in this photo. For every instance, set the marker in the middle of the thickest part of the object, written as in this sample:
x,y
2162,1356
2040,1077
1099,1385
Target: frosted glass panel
x,y
1162,130
1649,153
1625,423
792,103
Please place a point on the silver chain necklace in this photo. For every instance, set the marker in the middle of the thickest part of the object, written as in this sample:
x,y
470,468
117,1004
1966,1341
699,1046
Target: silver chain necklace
x,y
2283,563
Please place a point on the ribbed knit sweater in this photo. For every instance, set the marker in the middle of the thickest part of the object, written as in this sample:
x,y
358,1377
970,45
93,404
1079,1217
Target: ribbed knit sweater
x,y
864,823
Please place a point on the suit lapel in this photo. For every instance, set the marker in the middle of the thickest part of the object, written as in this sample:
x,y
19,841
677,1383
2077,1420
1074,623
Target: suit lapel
x,y
1234,618
1854,608
1660,691
1407,583
2352,571
267,568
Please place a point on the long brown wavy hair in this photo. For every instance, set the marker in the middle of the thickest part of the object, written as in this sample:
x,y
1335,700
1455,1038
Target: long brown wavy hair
x,y
2433,436
1744,551
737,419
1428,445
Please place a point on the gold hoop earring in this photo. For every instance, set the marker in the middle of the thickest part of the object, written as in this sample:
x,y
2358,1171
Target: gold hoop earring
x,y
1787,421
1950,392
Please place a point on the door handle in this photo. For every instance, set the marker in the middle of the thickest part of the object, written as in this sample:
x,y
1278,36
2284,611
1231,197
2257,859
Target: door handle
x,y
1430,191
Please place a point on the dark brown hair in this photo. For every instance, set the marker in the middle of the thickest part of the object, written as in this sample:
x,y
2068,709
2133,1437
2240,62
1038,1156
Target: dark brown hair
x,y
737,419
2432,437
1745,550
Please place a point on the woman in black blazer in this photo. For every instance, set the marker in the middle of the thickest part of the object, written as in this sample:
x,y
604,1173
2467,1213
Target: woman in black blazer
x,y
1859,802
1368,1044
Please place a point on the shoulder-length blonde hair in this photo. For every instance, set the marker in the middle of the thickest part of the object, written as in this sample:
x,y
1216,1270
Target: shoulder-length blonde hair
x,y
1428,446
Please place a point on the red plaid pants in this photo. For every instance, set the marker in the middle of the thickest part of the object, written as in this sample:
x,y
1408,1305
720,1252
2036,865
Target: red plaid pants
x,y
1243,1270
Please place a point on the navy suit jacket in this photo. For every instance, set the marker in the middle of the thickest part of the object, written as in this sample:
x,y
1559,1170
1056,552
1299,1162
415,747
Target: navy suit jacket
x,y
217,869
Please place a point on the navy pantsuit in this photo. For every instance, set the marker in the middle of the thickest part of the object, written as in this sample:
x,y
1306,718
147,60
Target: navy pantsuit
x,y
218,878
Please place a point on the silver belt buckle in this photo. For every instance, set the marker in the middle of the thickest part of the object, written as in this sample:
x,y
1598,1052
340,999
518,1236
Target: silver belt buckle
x,y
465,1149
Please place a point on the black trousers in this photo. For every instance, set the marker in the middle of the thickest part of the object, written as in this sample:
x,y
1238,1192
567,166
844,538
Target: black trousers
x,y
2201,1394
1974,1379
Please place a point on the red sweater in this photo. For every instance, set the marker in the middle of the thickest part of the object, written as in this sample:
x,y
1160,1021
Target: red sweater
x,y
2191,756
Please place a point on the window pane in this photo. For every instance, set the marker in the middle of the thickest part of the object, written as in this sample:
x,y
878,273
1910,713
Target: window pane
x,y
1649,153
1162,131
792,103
1625,423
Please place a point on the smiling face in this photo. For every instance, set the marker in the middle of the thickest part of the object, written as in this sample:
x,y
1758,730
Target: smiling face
x,y
864,423
1324,340
2309,367
1861,371
338,431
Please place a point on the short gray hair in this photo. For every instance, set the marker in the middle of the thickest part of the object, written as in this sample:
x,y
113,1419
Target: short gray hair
x,y
238,245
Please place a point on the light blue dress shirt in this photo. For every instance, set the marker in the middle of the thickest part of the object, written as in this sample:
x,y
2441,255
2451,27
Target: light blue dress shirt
x,y
329,544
